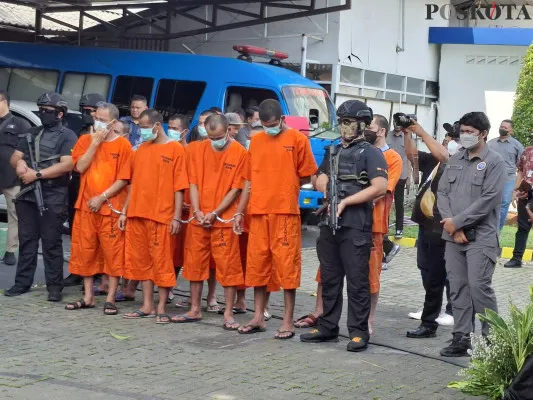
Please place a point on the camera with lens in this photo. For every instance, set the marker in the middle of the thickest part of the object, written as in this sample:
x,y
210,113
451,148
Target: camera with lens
x,y
403,120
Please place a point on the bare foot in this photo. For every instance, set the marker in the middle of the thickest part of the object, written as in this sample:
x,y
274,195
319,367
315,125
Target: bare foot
x,y
187,317
307,321
255,325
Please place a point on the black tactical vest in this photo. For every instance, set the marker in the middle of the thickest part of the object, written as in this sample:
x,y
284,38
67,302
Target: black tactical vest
x,y
349,179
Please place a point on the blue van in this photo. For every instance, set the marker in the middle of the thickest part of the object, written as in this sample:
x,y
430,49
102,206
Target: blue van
x,y
173,83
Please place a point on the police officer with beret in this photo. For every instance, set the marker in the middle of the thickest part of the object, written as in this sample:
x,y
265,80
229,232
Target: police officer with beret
x,y
361,172
88,105
51,147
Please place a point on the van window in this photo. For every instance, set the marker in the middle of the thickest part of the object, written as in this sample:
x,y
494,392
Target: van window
x,y
27,84
76,85
238,97
178,97
126,87
309,102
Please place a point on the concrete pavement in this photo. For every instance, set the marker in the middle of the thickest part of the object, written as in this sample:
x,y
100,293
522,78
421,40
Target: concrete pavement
x,y
51,353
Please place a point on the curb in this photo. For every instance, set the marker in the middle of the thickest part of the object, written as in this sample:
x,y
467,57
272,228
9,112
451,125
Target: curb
x,y
507,252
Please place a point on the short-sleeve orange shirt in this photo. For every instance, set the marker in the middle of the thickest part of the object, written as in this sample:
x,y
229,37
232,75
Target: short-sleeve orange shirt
x,y
111,162
276,165
215,173
382,206
159,171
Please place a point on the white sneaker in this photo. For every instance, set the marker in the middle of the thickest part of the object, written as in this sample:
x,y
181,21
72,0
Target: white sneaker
x,y
415,315
445,319
384,266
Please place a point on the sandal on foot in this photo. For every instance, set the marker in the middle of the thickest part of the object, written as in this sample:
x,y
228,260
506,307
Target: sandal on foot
x,y
185,319
119,296
78,305
110,308
291,335
213,308
183,304
255,329
228,325
307,321
162,319
138,314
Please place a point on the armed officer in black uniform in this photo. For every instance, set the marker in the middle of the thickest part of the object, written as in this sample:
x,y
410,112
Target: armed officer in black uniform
x,y
88,105
361,172
50,145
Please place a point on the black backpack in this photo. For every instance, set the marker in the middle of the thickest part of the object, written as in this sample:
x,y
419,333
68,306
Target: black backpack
x,y
522,386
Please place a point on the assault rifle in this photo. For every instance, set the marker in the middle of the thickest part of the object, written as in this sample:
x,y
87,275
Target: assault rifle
x,y
35,186
332,195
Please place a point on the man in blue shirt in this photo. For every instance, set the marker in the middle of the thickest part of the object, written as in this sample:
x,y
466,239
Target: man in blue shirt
x,y
137,106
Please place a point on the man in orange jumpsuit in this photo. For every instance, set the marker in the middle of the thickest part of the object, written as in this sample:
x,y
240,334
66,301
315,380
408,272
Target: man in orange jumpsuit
x,y
216,180
104,160
281,161
376,135
154,209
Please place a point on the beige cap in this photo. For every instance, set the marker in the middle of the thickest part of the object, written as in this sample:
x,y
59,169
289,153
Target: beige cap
x,y
234,119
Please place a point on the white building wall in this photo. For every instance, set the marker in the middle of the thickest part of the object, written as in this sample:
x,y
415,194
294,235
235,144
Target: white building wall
x,y
479,78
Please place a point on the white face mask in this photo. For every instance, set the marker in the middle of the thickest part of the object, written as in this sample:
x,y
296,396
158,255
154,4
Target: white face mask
x,y
468,140
452,147
100,126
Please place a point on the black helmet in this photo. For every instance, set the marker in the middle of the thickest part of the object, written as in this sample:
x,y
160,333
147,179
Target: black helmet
x,y
53,99
91,100
356,109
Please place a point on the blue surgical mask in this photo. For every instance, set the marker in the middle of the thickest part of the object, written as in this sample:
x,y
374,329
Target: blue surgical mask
x,y
174,135
247,144
220,143
273,131
255,124
202,131
99,125
148,134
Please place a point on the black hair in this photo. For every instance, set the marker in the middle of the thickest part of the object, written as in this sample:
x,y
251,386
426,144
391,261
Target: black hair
x,y
207,113
153,115
184,121
213,122
477,120
138,97
269,110
250,111
5,96
216,109
382,122
509,121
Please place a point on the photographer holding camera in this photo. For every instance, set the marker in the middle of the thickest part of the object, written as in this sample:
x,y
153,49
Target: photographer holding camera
x,y
468,198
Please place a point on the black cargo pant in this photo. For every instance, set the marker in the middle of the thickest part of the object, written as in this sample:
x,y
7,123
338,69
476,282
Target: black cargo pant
x,y
432,266
346,253
524,226
48,228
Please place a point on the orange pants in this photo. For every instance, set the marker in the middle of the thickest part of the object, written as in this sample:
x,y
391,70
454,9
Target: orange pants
x,y
149,251
375,263
220,244
274,250
273,285
97,245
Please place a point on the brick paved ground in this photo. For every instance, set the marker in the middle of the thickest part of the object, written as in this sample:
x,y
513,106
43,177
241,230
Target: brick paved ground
x,y
49,353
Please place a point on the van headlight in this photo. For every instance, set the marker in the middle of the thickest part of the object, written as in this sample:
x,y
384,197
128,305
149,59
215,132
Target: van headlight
x,y
307,186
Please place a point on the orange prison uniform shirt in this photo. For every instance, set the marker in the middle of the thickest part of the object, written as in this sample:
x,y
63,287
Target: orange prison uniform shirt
x,y
215,173
380,217
96,234
276,165
159,171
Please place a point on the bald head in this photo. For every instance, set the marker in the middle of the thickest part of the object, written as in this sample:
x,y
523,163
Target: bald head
x,y
216,126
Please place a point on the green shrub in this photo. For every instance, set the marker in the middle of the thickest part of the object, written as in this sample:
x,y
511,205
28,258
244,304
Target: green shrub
x,y
523,105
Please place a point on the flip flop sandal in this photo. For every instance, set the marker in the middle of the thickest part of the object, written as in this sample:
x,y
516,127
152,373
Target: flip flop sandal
x,y
138,314
186,319
239,310
267,315
255,329
213,308
119,297
300,321
183,304
163,319
285,337
110,309
228,326
78,305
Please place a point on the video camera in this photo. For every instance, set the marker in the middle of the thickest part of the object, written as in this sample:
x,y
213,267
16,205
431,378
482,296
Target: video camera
x,y
403,120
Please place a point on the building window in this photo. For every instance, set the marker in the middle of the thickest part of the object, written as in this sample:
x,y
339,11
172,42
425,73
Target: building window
x,y
351,75
178,97
432,89
395,82
374,79
239,97
126,87
415,86
28,84
76,85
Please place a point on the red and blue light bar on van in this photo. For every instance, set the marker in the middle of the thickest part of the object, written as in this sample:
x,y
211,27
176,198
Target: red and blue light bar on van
x,y
247,52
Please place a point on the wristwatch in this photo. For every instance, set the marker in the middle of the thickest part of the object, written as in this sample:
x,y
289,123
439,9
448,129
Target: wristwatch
x,y
39,175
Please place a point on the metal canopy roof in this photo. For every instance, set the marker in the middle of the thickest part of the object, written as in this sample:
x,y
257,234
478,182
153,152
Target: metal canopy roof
x,y
111,21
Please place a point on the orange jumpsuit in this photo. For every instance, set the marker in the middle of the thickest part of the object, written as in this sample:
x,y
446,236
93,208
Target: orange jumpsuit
x,y
215,174
96,235
276,165
380,220
159,171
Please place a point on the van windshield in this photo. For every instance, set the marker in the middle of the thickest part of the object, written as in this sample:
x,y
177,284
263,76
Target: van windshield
x,y
306,102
